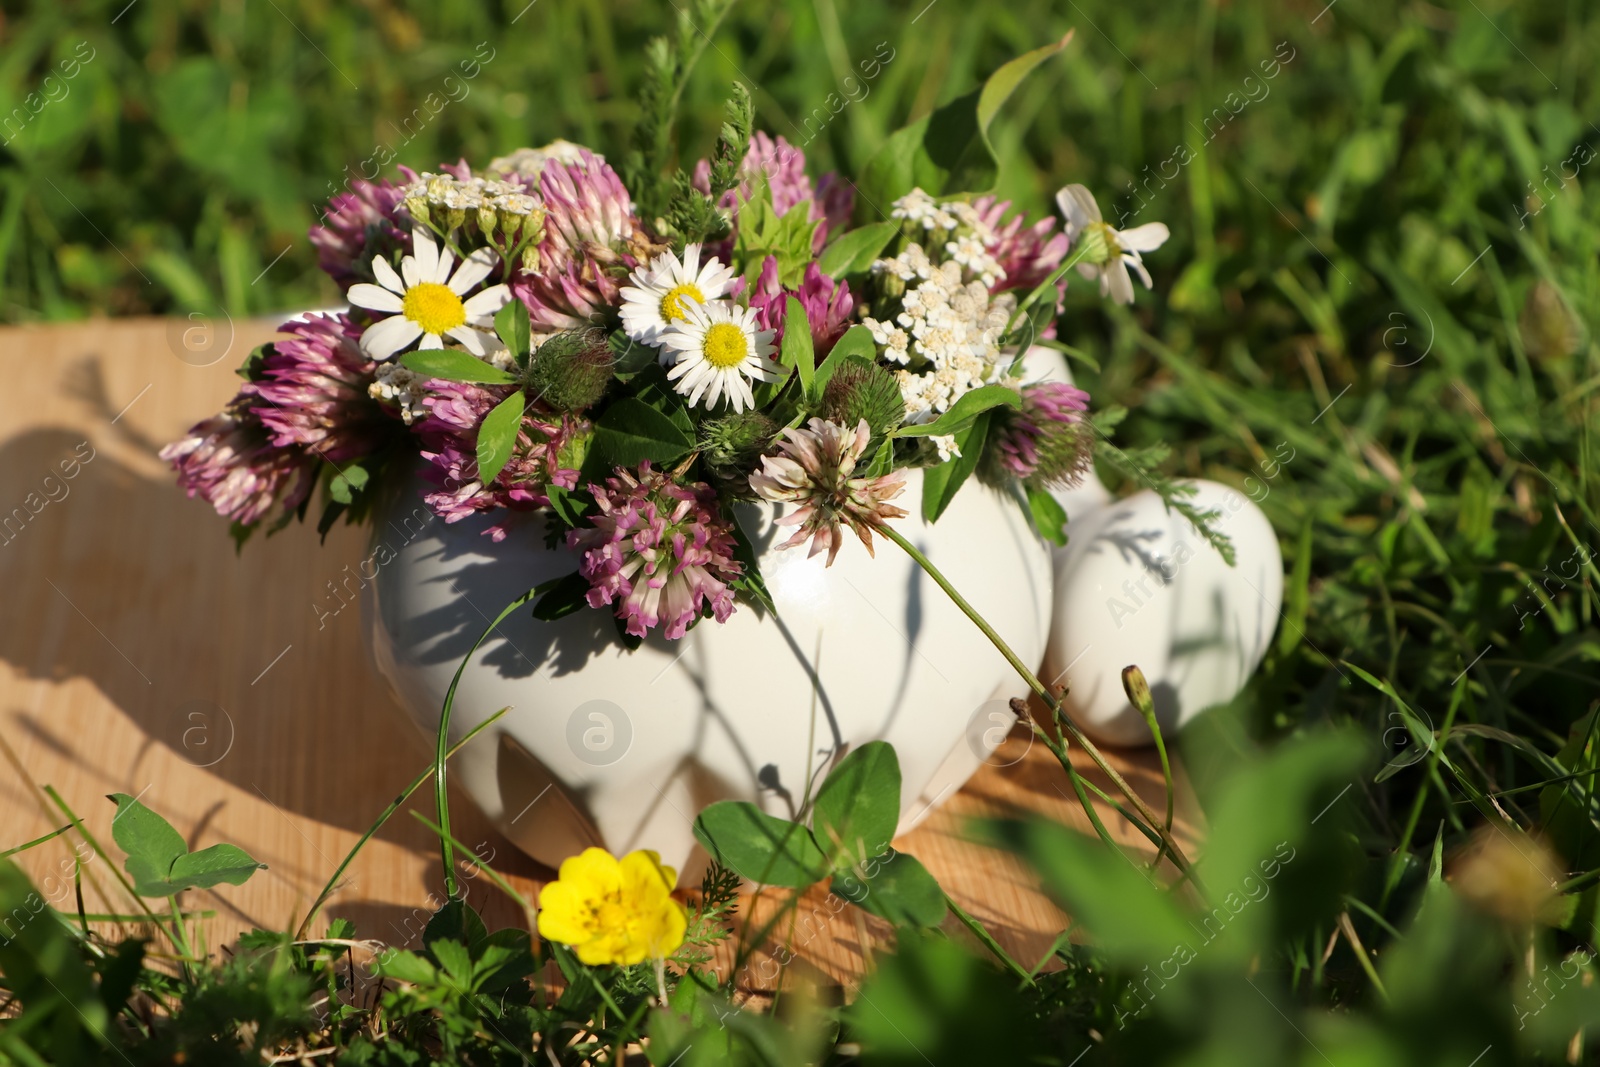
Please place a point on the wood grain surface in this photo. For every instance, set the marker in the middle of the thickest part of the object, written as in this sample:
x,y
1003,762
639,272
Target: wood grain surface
x,y
140,654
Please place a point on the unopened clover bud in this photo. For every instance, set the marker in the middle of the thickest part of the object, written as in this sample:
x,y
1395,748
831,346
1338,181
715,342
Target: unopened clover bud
x,y
732,445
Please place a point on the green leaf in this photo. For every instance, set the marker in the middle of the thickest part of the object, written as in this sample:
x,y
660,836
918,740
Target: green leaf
x,y
857,342
151,843
630,432
940,483
1049,517
161,864
761,847
514,328
631,356
858,807
345,484
949,151
897,888
797,352
405,967
569,505
453,365
1132,921
964,411
567,596
497,436
854,252
212,866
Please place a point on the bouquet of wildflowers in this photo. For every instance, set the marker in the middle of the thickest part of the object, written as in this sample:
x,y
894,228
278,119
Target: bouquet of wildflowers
x,y
633,356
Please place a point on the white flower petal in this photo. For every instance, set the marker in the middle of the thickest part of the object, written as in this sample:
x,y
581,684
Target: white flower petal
x,y
386,337
426,253
386,275
431,340
487,302
441,273
1078,206
409,271
474,269
1114,282
474,341
1138,265
373,298
1146,238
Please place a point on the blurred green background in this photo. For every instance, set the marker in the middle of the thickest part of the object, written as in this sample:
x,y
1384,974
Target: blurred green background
x,y
1383,264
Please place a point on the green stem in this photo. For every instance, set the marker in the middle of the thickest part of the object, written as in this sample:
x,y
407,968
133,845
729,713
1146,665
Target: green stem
x,y
1045,286
441,752
1178,858
416,783
36,841
981,932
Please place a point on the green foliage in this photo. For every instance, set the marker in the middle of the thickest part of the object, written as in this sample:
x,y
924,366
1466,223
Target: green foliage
x,y
161,864
862,389
455,365
853,820
497,436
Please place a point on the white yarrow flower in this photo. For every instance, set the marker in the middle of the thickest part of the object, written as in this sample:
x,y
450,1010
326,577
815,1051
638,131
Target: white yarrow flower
x,y
1123,248
426,300
717,351
662,292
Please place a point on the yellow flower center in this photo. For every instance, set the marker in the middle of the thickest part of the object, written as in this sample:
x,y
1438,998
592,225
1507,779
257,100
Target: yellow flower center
x,y
434,307
672,303
725,346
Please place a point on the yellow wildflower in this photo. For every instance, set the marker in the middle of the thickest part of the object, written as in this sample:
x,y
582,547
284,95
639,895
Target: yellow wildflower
x,y
613,911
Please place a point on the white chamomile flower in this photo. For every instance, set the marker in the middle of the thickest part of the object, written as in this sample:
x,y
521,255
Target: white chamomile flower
x,y
662,292
1121,249
717,351
425,300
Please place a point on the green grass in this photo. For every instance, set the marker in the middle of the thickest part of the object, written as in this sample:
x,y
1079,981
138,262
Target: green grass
x,y
1360,277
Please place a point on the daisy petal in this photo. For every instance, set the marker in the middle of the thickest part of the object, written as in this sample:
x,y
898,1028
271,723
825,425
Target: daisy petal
x,y
369,296
441,273
386,275
487,302
474,341
474,269
1146,238
1114,281
431,340
426,254
1138,266
409,271
386,337
1078,206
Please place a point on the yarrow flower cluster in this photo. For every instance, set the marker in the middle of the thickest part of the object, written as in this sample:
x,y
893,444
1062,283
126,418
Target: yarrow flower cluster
x,y
536,336
946,336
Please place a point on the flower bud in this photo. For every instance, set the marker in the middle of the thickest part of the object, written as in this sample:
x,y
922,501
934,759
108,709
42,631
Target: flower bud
x,y
1099,243
862,390
571,370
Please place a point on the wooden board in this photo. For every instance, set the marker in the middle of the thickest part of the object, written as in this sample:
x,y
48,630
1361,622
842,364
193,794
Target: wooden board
x,y
140,654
